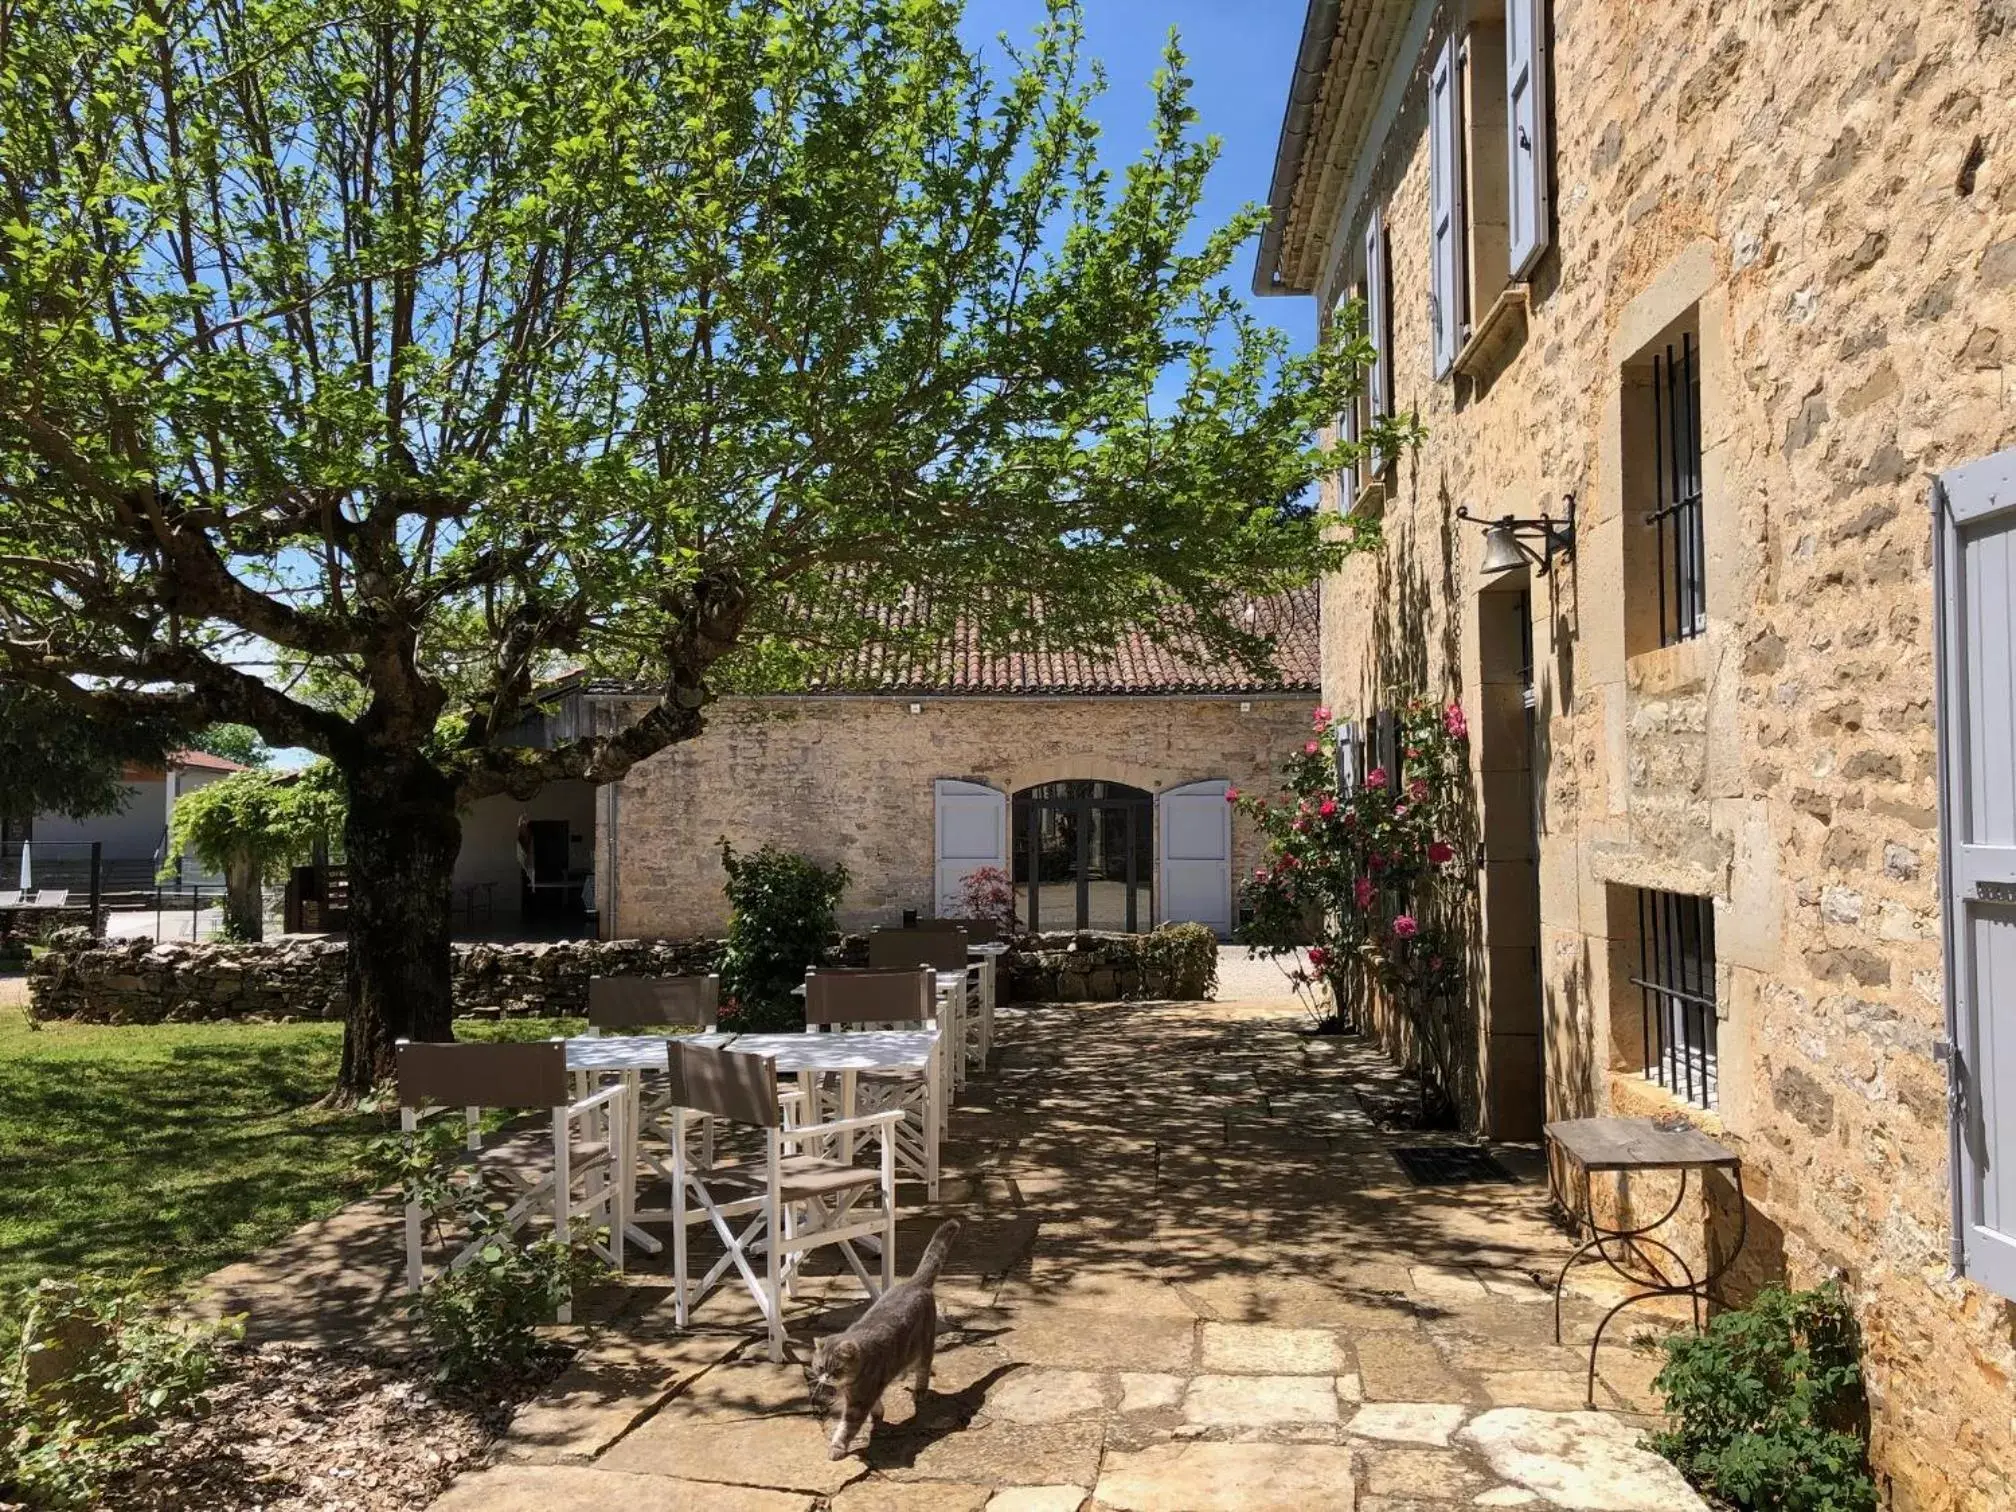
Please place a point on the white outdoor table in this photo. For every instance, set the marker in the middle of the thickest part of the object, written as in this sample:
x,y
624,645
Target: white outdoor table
x,y
628,1056
847,1053
951,1016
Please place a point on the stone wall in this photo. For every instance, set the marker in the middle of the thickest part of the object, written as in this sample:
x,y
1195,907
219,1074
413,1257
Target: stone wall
x,y
302,978
850,780
1826,196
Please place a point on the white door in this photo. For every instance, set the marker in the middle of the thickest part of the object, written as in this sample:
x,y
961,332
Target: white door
x,y
1975,595
1197,856
972,833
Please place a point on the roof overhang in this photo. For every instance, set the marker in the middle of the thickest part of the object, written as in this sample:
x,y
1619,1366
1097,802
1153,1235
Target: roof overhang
x,y
1348,51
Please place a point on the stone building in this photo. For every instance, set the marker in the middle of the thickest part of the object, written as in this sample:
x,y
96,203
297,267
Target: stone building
x,y
1098,783
1733,288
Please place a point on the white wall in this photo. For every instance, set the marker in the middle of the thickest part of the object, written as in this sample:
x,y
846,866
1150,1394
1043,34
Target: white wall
x,y
132,834
490,836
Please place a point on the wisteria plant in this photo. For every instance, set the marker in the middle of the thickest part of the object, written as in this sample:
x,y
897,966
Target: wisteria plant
x,y
1358,870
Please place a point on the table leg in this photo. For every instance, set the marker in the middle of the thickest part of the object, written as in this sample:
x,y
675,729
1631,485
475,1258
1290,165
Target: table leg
x,y
631,1157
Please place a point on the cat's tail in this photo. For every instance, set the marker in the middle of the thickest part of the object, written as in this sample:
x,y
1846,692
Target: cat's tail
x,y
935,1252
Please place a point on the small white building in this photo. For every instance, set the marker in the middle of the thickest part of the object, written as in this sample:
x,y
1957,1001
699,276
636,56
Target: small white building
x,y
132,839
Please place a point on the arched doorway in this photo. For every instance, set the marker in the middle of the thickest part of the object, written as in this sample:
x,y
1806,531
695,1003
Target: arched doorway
x,y
1084,856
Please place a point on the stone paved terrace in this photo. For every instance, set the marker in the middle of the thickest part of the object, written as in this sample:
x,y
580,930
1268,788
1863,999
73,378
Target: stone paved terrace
x,y
1191,1278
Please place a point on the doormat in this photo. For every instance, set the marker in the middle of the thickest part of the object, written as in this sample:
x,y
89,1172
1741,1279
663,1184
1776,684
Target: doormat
x,y
1451,1165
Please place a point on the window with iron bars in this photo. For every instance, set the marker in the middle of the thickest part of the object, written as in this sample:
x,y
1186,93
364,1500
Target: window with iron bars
x,y
1676,522
1676,936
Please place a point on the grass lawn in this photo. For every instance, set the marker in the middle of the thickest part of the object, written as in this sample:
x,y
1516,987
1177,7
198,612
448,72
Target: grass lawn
x,y
180,1147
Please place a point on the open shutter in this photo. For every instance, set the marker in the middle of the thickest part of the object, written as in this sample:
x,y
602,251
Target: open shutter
x,y
972,830
1378,324
1197,856
1445,209
1347,432
1526,131
1975,598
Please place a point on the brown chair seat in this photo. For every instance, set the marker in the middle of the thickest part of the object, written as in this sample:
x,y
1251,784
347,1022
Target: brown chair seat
x,y
799,1176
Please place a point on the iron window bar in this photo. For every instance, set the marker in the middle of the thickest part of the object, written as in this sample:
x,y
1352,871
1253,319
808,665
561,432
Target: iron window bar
x,y
1676,466
1676,983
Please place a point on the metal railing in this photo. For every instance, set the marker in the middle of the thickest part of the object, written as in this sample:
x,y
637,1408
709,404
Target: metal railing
x,y
1676,522
1676,943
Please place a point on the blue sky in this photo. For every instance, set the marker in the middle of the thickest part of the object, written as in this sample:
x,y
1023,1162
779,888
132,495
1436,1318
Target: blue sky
x,y
1242,56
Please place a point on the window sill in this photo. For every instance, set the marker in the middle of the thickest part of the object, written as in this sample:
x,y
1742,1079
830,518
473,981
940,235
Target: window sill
x,y
1497,335
1369,502
1632,1095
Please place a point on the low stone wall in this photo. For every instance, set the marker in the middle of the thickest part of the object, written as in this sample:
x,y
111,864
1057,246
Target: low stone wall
x,y
1179,962
302,977
137,982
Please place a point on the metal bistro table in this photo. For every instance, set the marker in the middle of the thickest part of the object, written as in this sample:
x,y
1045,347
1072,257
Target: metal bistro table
x,y
1624,1146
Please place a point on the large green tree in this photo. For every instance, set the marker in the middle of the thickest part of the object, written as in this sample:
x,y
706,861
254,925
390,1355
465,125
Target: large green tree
x,y
363,362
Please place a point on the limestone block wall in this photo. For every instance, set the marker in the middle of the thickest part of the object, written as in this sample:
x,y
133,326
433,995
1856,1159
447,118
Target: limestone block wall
x,y
849,779
1827,193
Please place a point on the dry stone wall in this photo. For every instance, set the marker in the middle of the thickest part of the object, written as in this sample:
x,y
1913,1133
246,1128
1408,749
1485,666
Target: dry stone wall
x,y
302,978
1828,191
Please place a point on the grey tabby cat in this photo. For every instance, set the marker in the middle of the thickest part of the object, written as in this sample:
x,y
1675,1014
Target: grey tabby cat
x,y
899,1331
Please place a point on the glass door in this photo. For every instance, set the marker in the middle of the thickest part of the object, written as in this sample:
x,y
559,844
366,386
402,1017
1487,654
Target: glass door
x,y
1084,857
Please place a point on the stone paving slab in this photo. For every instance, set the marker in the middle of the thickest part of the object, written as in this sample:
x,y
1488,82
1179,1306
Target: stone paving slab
x,y
568,1488
1229,1478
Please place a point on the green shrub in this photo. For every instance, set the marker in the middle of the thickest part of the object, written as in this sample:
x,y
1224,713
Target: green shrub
x,y
88,1369
1766,1405
481,1319
780,923
1184,957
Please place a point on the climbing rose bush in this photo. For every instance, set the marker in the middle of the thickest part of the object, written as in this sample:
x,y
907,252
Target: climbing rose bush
x,y
1357,871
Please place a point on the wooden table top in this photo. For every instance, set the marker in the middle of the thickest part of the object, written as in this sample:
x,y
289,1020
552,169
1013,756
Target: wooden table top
x,y
1636,1144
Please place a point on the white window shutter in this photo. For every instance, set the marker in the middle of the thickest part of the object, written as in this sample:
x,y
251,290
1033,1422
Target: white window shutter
x,y
1526,131
1445,207
1379,382
1347,433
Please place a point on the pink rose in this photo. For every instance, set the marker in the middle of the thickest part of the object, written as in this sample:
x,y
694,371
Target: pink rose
x,y
1311,748
1318,957
1231,795
1362,891
1326,808
1454,722
1299,826
1286,863
1259,874
1440,851
1418,789
1376,778
1413,753
1321,718
1399,811
1404,927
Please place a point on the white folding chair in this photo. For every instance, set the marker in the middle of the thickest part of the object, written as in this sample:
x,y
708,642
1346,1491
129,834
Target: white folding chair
x,y
944,950
655,1003
795,1202
849,999
521,1077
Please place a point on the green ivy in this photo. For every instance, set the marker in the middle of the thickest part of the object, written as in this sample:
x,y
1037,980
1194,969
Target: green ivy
x,y
1766,1405
780,923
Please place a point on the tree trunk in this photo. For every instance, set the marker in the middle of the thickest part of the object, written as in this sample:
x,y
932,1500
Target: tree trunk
x,y
244,899
400,839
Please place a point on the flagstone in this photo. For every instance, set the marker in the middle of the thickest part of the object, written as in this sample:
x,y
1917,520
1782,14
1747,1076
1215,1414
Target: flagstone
x,y
910,1496
1252,1348
1147,1391
1229,1401
1039,1499
783,1452
1047,1396
1404,1367
1208,1477
571,1488
1073,1339
1440,1473
998,1454
1583,1461
1408,1422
